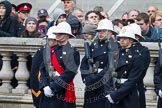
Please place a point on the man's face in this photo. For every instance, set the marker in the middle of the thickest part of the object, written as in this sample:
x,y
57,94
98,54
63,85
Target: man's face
x,y
52,42
151,10
79,15
24,15
125,42
102,34
2,10
61,37
92,19
144,26
133,15
68,5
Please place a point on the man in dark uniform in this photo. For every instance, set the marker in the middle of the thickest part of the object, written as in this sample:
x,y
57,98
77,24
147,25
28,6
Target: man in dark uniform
x,y
23,12
36,61
129,70
56,80
158,82
146,55
94,96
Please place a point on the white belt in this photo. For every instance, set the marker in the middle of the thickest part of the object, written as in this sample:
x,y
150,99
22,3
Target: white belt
x,y
123,80
99,70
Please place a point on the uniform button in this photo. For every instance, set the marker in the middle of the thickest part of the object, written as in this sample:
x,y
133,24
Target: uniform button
x,y
64,53
130,56
92,49
101,45
94,43
137,50
122,53
125,72
60,57
104,52
101,62
126,61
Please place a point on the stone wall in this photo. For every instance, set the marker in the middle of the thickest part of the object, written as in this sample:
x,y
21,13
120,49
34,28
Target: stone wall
x,y
20,97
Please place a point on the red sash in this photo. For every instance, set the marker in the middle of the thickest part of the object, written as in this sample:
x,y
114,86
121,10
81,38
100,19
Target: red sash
x,y
70,93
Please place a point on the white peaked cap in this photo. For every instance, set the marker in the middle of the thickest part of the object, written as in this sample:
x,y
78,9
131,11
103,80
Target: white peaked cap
x,y
136,29
127,31
105,24
50,33
63,27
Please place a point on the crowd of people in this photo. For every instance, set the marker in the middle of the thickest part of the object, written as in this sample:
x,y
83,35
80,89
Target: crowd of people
x,y
115,62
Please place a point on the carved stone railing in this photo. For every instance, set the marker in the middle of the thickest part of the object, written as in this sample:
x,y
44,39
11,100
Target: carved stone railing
x,y
23,47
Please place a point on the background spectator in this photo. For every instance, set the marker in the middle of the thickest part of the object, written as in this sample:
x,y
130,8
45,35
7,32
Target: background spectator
x,y
43,14
13,12
58,16
23,12
7,23
91,18
69,5
89,31
156,19
31,30
79,14
151,9
76,26
132,14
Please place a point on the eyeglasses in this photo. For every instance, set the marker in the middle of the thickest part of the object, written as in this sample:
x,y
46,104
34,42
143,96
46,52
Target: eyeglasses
x,y
158,20
150,11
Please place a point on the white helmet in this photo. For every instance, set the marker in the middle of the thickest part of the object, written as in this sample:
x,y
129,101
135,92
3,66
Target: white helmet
x,y
127,31
50,33
136,29
63,27
105,24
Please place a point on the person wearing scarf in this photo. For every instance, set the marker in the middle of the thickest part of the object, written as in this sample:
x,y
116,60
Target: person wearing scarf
x,y
57,83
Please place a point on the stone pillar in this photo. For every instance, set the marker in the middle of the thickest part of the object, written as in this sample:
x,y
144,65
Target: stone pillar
x,y
6,73
148,81
22,74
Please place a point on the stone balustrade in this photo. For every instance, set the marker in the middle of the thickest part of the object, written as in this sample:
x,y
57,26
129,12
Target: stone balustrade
x,y
24,47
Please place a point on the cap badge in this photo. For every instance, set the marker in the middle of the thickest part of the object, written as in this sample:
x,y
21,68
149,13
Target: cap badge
x,y
42,11
25,6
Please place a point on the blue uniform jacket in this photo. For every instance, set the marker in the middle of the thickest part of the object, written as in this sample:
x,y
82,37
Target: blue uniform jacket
x,y
129,71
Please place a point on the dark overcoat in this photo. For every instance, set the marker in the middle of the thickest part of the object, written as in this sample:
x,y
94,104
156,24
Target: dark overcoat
x,y
95,93
129,71
158,82
34,76
140,86
69,59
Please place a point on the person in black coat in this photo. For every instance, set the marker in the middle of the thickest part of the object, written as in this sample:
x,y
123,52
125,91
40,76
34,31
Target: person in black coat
x,y
93,72
158,82
129,71
34,74
7,22
56,80
143,50
36,62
